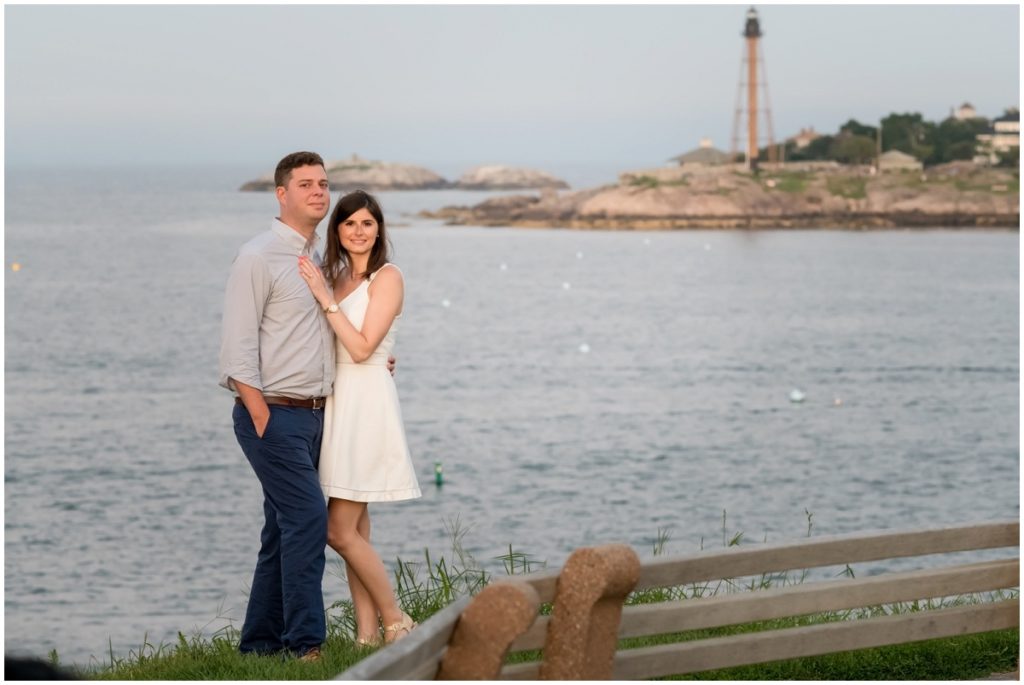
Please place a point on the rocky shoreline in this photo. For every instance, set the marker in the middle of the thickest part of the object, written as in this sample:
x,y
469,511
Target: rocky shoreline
x,y
956,195
865,221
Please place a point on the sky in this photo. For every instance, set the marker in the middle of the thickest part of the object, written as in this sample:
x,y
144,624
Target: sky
x,y
530,85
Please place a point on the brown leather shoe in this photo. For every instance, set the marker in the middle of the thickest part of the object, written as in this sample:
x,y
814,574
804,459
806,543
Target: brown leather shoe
x,y
311,656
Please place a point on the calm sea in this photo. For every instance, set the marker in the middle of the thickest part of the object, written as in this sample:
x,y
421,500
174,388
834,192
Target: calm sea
x,y
577,387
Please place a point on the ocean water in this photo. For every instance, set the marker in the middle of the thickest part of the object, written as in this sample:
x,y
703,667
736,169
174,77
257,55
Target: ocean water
x,y
577,387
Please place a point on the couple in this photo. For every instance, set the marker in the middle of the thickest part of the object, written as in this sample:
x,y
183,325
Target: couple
x,y
292,327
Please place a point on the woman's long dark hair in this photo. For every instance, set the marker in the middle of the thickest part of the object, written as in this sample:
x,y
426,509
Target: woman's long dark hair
x,y
336,257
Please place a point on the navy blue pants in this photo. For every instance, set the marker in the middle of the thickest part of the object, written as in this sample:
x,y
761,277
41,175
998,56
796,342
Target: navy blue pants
x,y
286,602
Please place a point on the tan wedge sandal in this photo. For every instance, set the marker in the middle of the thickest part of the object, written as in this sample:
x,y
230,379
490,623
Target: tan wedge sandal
x,y
369,642
400,629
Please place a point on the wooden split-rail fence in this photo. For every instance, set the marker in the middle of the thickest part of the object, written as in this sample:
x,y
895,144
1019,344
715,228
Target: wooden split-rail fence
x,y
471,638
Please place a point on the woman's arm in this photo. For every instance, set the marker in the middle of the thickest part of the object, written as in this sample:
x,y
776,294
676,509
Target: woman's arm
x,y
388,291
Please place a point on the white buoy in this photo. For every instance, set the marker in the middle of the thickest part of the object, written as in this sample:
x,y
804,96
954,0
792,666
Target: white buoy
x,y
796,395
838,401
584,348
566,286
647,241
446,303
579,255
707,248
504,266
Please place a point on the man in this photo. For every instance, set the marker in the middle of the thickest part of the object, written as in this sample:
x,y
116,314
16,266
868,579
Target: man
x,y
277,355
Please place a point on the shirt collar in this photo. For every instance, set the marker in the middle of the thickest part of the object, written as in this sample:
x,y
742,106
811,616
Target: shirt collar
x,y
293,238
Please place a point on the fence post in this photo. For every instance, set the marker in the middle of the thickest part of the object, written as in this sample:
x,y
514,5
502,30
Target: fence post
x,y
493,620
583,631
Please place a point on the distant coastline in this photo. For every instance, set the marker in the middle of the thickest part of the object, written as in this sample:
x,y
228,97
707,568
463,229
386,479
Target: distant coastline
x,y
824,196
862,222
375,176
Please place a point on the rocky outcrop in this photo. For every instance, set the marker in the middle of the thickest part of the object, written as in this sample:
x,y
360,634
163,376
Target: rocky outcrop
x,y
955,195
498,177
265,182
382,176
515,210
369,175
373,176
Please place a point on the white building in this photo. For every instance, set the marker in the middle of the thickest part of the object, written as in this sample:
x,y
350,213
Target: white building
x,y
965,111
1003,135
894,160
805,137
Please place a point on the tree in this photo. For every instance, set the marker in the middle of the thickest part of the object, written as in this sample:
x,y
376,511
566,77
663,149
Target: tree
x,y
932,143
956,139
812,152
1010,158
817,149
854,127
962,149
909,133
852,149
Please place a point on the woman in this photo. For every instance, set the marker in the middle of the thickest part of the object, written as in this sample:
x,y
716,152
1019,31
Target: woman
x,y
364,457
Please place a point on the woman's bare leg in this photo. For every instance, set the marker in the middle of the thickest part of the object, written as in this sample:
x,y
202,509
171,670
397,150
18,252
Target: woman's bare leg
x,y
367,617
361,559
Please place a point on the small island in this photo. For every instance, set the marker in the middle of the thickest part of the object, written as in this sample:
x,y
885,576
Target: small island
x,y
499,177
369,175
374,176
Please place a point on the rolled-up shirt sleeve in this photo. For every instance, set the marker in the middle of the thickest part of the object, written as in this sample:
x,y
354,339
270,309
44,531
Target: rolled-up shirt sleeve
x,y
245,297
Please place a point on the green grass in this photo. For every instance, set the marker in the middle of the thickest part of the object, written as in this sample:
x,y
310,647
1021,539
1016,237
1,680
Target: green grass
x,y
217,658
981,181
960,658
851,187
790,181
426,587
1012,186
652,182
423,588
909,180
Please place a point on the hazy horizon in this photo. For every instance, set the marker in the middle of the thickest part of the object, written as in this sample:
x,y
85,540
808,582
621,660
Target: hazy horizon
x,y
457,86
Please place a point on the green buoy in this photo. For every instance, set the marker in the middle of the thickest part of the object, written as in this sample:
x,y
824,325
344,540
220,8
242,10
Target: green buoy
x,y
438,475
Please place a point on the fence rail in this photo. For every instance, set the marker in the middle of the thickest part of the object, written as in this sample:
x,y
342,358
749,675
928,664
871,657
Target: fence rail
x,y
414,657
587,595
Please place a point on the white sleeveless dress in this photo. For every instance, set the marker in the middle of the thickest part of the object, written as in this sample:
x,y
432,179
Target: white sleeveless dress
x,y
364,456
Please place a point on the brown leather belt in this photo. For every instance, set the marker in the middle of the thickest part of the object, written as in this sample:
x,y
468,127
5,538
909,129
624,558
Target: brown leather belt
x,y
311,403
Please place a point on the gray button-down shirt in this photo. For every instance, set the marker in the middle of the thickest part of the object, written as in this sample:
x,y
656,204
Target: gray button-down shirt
x,y
275,337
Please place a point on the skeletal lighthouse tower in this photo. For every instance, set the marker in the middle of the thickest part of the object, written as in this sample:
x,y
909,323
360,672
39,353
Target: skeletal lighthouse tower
x,y
752,58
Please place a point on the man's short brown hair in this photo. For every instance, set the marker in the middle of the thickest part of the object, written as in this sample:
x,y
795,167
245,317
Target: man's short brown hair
x,y
283,172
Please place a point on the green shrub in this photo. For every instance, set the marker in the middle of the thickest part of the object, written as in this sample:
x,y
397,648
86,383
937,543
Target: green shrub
x,y
851,187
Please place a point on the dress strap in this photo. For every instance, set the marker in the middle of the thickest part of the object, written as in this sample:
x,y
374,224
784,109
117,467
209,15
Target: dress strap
x,y
374,274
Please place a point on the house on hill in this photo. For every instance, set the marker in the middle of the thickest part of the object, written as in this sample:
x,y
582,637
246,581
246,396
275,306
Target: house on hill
x,y
804,138
705,155
1003,135
964,112
894,160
